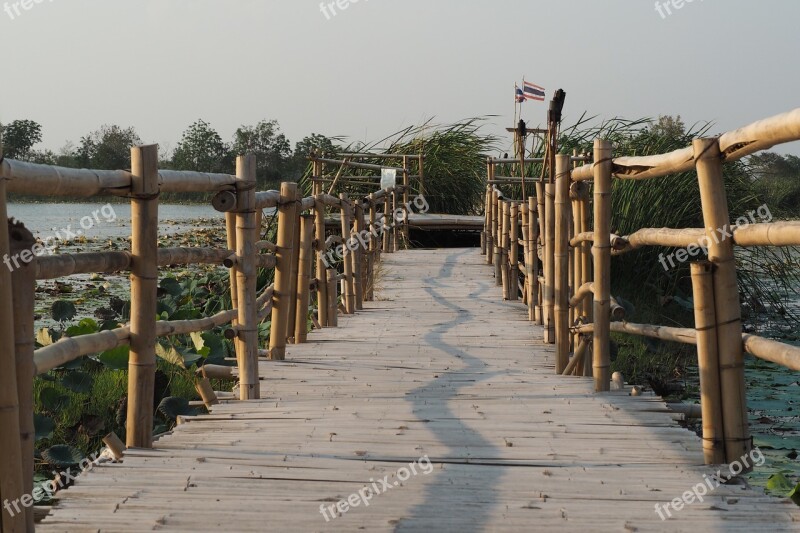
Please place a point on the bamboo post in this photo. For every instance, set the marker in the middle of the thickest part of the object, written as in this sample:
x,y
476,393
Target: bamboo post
x,y
504,250
708,362
372,257
230,232
395,230
534,309
357,257
304,278
23,288
726,297
601,250
421,161
561,262
513,289
12,478
287,217
144,299
246,277
322,267
526,249
295,272
548,300
350,290
333,298
497,226
490,236
406,189
387,225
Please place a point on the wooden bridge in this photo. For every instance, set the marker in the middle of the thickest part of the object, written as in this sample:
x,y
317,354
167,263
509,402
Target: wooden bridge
x,y
462,389
420,372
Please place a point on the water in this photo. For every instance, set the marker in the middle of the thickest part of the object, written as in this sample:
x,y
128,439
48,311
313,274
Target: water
x,y
64,222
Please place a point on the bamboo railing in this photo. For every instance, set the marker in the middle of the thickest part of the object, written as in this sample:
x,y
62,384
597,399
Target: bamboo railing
x,y
300,257
567,257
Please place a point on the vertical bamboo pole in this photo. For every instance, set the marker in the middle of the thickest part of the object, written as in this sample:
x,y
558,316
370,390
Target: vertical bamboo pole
x,y
513,236
287,218
304,278
387,224
498,237
526,248
144,299
534,309
373,248
421,174
358,255
602,266
548,299
561,261
12,477
726,297
322,267
708,361
395,229
349,282
406,189
294,275
246,273
490,231
585,367
23,288
504,250
333,298
230,231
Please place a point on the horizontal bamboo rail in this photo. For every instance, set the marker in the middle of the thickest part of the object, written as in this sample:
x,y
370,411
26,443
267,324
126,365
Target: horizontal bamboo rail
x,y
734,145
36,179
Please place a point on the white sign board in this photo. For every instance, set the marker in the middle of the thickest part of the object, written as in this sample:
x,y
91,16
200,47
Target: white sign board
x,y
388,178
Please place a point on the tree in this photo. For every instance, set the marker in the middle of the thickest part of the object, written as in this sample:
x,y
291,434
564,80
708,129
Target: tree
x,y
201,149
19,137
271,148
669,127
311,143
107,148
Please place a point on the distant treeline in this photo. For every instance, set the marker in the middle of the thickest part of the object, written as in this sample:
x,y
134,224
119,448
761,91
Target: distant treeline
x,y
201,148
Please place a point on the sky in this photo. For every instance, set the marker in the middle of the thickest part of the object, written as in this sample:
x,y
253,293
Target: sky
x,y
377,66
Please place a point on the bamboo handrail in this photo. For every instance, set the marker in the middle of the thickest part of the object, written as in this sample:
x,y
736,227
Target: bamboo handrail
x,y
734,145
354,164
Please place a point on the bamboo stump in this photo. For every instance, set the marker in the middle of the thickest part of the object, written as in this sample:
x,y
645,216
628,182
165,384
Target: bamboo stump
x,y
304,279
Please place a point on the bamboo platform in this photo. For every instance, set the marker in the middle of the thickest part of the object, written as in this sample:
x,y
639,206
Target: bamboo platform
x,y
436,367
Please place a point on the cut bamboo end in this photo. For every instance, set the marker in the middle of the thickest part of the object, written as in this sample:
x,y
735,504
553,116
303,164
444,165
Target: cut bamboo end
x,y
206,392
115,446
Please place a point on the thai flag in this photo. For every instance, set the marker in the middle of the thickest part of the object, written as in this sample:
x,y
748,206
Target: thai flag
x,y
519,96
533,92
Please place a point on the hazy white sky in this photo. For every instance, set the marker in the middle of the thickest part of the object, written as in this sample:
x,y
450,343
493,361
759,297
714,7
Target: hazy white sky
x,y
381,65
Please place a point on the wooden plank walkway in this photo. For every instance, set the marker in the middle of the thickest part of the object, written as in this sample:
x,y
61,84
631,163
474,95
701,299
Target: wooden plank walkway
x,y
438,367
